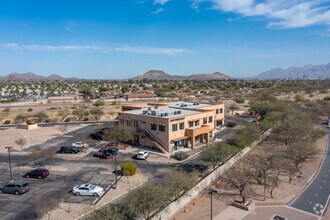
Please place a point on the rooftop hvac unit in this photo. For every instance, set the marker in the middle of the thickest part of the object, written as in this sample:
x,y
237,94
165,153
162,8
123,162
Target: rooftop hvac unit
x,y
179,112
174,112
166,114
161,115
144,112
153,113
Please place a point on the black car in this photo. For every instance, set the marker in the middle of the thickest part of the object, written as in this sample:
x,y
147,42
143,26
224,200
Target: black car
x,y
69,150
96,136
37,173
110,152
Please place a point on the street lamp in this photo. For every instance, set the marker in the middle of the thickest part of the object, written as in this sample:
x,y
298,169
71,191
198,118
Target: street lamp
x,y
115,185
265,182
11,174
211,191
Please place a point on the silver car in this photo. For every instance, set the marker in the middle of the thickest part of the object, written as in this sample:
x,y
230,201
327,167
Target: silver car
x,y
87,190
14,187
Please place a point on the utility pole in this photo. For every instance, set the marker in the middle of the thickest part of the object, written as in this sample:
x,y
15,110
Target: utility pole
x,y
11,174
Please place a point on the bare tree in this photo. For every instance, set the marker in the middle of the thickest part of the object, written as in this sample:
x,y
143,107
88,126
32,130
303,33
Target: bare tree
x,y
21,142
45,206
300,151
49,155
232,108
239,178
63,113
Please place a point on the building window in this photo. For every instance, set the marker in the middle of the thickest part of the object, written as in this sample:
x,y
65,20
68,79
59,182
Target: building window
x,y
153,127
219,122
221,110
204,120
210,134
122,121
196,123
161,128
129,123
181,126
191,124
217,111
136,123
175,127
210,119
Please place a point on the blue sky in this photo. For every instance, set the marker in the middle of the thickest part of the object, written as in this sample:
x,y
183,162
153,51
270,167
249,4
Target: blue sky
x,y
117,39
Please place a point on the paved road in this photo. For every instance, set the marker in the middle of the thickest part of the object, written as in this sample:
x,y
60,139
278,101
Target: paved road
x,y
315,197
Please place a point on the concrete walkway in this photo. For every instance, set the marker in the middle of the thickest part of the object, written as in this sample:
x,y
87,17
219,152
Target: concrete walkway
x,y
231,213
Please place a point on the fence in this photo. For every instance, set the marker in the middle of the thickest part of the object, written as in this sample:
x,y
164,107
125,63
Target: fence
x,y
175,206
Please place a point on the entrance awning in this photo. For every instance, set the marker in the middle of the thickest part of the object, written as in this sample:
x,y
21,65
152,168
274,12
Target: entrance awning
x,y
180,138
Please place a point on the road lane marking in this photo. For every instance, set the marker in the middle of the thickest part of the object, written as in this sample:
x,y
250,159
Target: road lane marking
x,y
320,187
315,194
310,202
318,208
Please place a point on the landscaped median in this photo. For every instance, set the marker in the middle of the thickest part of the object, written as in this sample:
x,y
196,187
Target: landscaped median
x,y
72,211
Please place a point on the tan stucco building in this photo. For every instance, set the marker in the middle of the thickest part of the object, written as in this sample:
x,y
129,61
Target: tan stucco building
x,y
168,126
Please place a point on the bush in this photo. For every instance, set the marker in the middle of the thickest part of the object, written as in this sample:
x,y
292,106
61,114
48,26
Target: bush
x,y
128,169
99,102
30,110
231,124
6,110
327,98
239,100
180,155
7,122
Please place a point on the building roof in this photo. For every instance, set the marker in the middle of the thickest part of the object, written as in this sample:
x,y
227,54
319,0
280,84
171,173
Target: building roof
x,y
163,112
188,105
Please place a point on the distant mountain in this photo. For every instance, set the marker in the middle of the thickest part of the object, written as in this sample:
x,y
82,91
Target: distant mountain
x,y
161,75
307,71
32,77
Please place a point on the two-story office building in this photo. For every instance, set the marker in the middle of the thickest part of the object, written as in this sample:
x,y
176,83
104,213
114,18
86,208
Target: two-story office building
x,y
168,126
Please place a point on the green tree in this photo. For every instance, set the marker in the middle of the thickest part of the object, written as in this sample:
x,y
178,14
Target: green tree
x,y
118,134
147,199
99,102
97,113
232,108
178,181
63,113
217,153
80,113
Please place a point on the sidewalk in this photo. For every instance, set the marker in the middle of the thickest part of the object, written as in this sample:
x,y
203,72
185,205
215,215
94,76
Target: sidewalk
x,y
77,211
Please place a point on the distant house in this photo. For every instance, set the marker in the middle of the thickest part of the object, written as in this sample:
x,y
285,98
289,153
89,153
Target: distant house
x,y
140,95
63,99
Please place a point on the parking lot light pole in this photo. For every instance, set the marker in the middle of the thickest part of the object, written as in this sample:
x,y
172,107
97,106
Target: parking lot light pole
x,y
115,185
211,191
11,174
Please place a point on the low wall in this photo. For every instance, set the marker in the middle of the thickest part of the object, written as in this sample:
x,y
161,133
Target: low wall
x,y
175,206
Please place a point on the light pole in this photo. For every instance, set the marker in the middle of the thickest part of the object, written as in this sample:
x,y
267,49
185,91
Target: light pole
x,y
11,174
265,182
115,185
211,191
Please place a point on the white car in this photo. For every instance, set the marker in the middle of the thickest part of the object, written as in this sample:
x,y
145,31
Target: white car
x,y
87,190
142,155
79,144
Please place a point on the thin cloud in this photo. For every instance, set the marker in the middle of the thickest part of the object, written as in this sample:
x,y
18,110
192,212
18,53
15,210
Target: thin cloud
x,y
282,13
157,11
105,49
161,2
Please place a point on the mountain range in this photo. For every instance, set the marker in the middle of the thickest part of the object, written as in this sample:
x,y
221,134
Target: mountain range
x,y
161,75
34,77
307,71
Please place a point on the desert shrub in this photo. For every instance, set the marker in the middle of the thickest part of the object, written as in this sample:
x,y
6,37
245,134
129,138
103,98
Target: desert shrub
x,y
327,98
230,124
30,110
114,102
6,110
6,122
239,100
128,169
180,155
99,102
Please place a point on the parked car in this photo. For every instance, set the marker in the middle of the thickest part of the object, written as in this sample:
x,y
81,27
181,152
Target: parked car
x,y
96,136
69,150
110,152
79,145
14,187
37,173
142,155
87,190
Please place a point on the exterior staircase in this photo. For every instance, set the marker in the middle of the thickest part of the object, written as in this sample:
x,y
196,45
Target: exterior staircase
x,y
155,141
